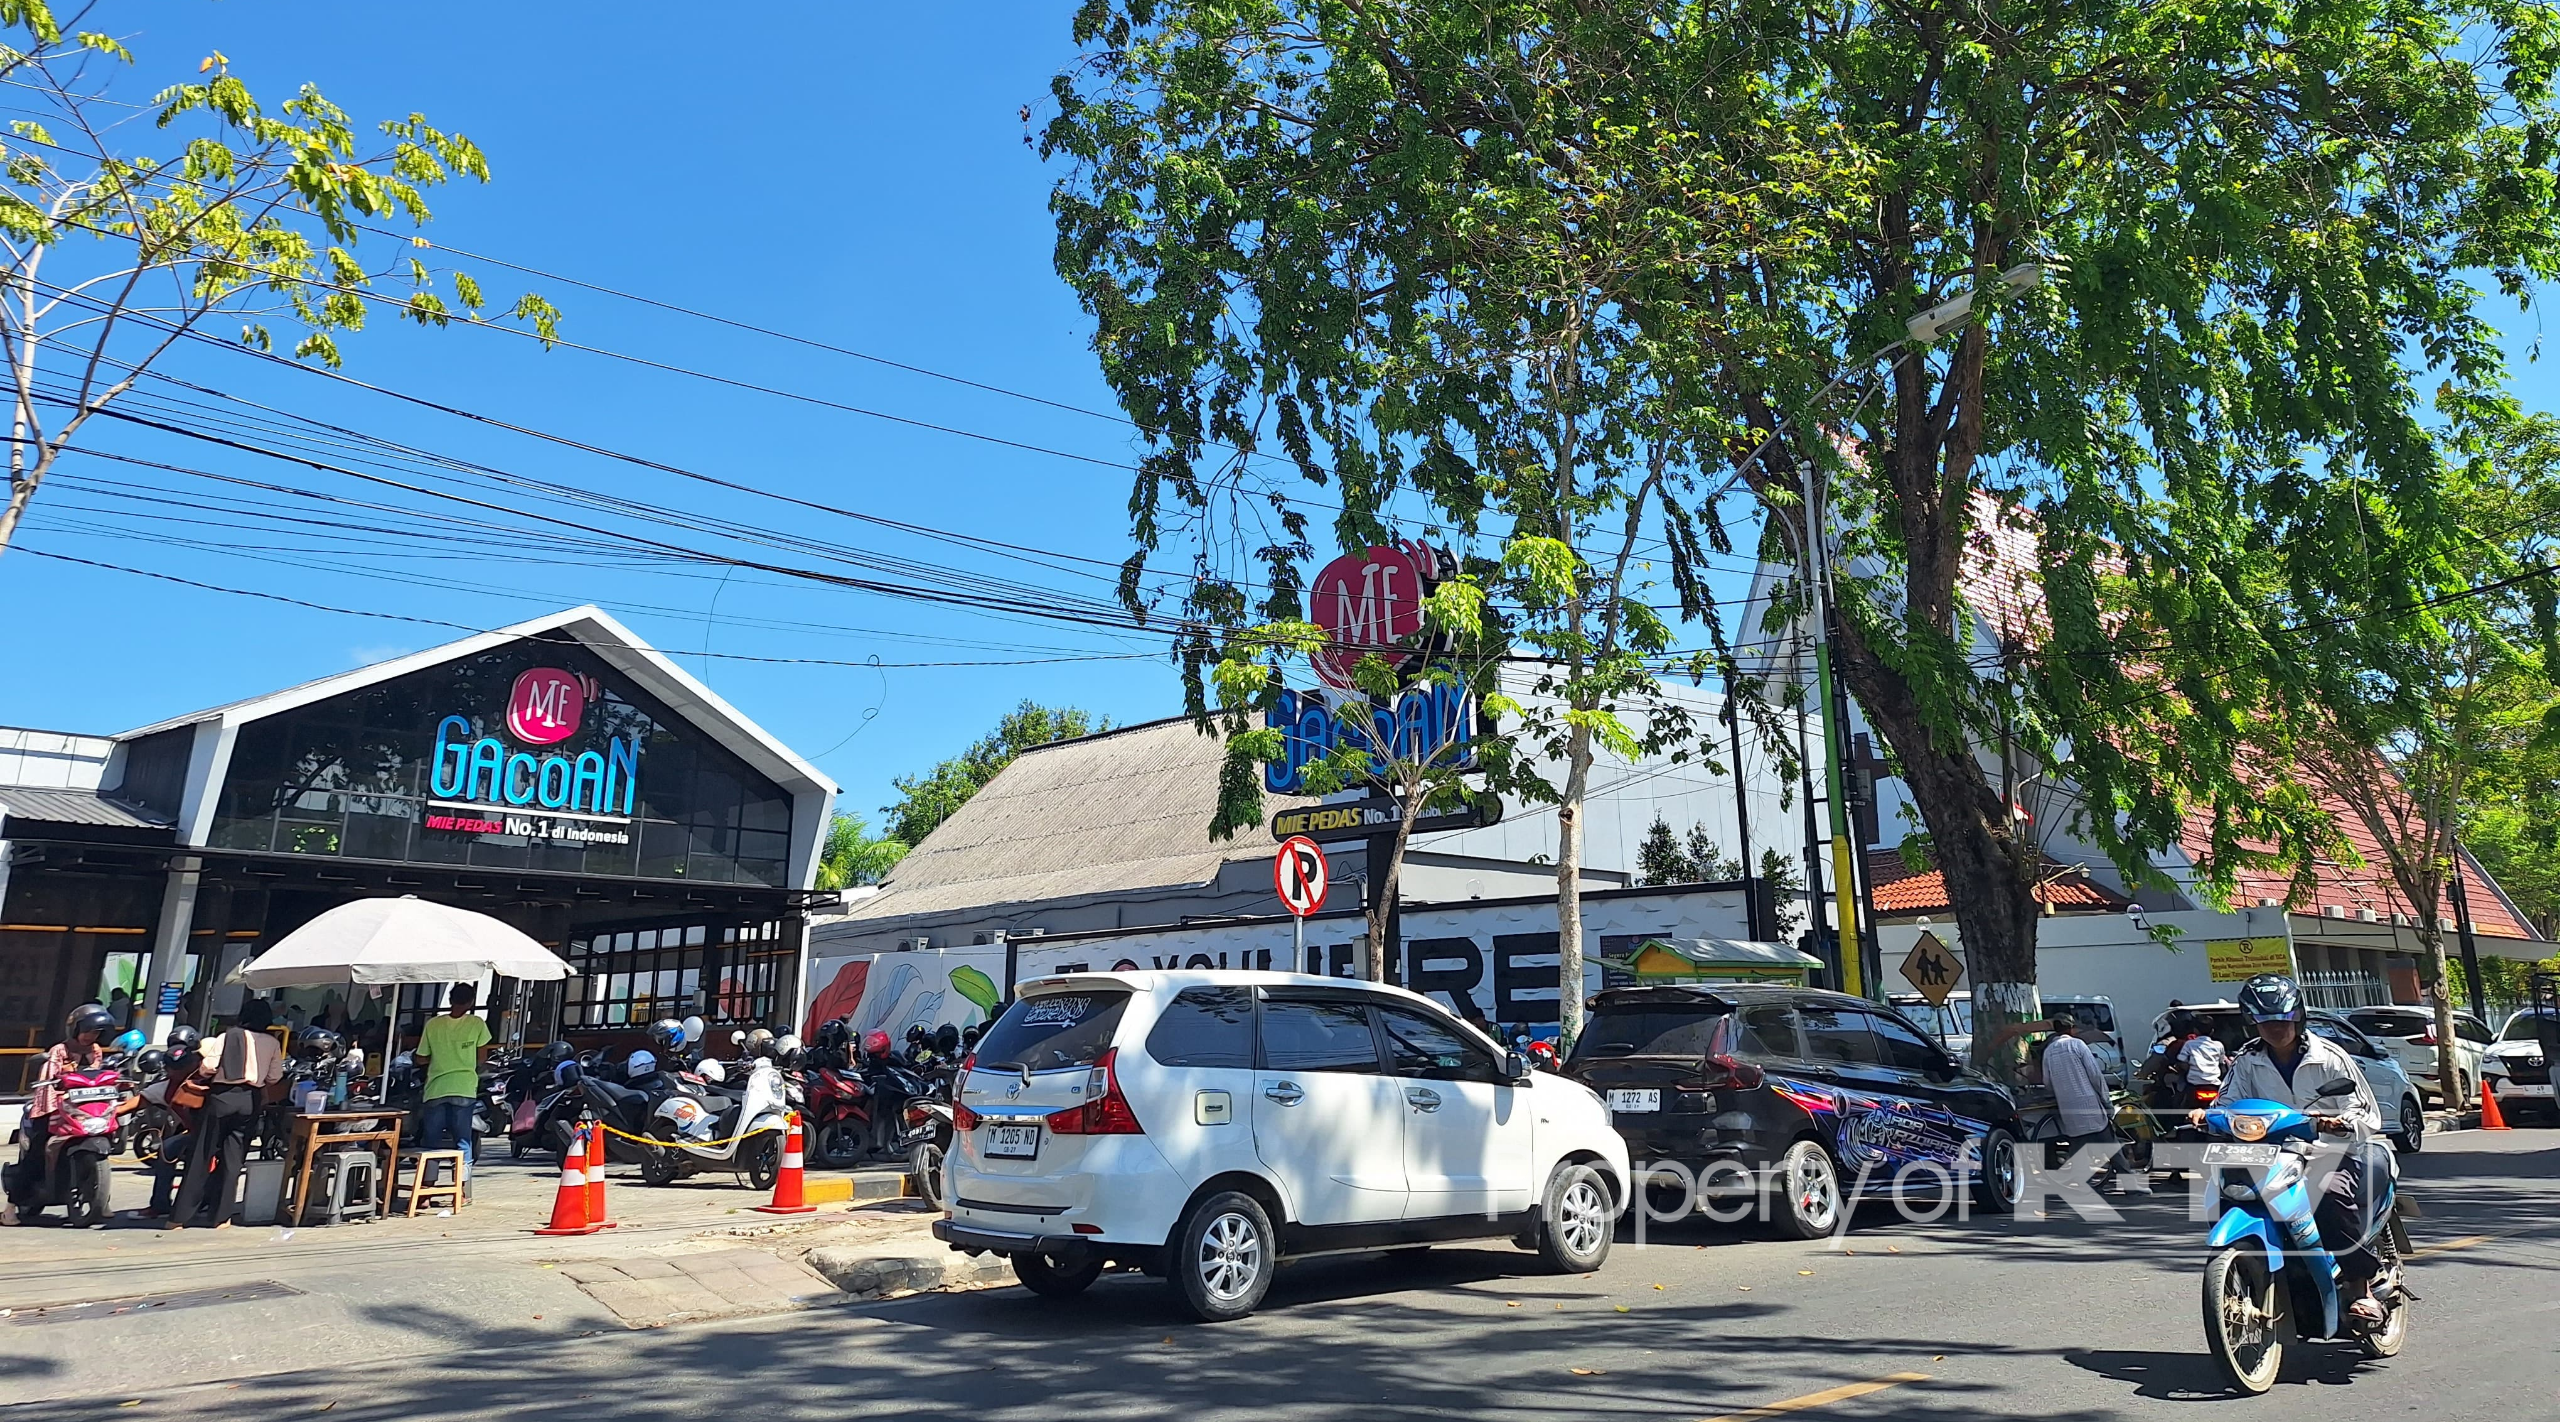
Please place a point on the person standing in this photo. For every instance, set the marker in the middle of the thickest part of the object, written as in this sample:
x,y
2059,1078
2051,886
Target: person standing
x,y
237,1072
454,1045
2079,1086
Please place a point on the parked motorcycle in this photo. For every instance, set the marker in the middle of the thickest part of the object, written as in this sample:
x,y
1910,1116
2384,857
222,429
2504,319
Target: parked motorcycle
x,y
69,1166
2269,1276
714,1130
928,1139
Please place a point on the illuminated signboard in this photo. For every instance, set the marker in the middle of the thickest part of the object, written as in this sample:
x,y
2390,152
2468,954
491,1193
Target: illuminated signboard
x,y
1431,720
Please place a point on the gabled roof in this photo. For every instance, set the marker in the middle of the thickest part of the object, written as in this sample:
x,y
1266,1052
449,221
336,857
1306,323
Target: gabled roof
x,y
20,803
1117,812
591,627
1901,889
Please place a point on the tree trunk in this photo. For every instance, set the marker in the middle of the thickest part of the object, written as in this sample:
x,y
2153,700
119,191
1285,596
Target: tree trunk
x,y
2440,998
1382,913
1577,781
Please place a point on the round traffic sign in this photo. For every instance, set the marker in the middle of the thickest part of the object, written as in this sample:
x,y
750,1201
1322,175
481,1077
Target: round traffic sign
x,y
1298,870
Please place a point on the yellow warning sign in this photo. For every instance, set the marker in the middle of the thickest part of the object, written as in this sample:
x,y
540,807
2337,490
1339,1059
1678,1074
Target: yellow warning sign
x,y
2236,960
1931,969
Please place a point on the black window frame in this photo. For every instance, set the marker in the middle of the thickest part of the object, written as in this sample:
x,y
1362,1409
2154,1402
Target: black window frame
x,y
1933,1060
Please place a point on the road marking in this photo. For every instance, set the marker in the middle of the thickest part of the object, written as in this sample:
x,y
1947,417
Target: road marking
x,y
2465,1242
1823,1398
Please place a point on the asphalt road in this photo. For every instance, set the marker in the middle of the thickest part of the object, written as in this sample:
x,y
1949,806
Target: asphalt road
x,y
2053,1318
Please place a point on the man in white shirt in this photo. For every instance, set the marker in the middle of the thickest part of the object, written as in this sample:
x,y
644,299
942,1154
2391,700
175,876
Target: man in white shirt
x,y
2079,1086
2291,1065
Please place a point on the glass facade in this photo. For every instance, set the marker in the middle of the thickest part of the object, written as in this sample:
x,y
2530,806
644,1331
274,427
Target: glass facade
x,y
631,979
533,756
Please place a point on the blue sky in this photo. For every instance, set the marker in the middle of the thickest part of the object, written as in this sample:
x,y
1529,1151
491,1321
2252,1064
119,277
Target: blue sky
x,y
853,173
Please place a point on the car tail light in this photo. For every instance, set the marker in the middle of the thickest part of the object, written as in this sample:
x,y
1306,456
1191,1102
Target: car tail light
x,y
1730,1070
962,1118
1105,1111
2424,1039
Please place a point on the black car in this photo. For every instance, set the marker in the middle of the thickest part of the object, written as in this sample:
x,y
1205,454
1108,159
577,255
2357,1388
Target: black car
x,y
1794,1097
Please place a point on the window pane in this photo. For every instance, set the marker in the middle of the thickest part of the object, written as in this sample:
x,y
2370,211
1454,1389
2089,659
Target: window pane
x,y
1836,1034
1767,1032
1903,1047
1053,1032
1205,1027
1317,1036
1421,1046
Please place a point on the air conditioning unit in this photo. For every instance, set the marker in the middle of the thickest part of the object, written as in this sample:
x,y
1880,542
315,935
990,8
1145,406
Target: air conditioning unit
x,y
2265,902
987,938
2445,923
2402,920
2333,911
2368,915
912,945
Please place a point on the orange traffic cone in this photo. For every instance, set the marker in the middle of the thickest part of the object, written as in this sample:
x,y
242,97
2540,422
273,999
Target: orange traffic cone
x,y
786,1182
595,1176
2490,1117
569,1207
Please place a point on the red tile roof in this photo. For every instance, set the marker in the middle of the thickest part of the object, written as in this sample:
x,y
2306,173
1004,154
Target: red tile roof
x,y
1900,889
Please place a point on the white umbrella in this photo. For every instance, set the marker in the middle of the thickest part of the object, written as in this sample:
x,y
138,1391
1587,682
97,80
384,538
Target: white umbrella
x,y
402,940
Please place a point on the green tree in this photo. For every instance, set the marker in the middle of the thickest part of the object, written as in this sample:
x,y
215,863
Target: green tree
x,y
195,205
853,856
1665,858
926,800
1400,246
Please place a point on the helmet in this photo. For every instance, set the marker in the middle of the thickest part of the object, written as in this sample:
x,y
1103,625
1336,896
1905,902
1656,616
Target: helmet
x,y
915,1034
316,1044
834,1032
946,1039
2271,997
970,1034
89,1019
2183,1023
639,1064
183,1039
667,1035
694,1028
759,1043
151,1060
130,1041
787,1049
876,1044
555,1052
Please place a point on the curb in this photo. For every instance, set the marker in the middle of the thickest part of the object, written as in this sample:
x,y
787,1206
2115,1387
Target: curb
x,y
860,1276
861,1187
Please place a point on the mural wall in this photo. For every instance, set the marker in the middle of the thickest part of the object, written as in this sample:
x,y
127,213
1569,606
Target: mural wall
x,y
890,992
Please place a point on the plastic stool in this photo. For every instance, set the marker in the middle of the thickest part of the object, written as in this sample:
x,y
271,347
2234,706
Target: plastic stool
x,y
448,1194
350,1181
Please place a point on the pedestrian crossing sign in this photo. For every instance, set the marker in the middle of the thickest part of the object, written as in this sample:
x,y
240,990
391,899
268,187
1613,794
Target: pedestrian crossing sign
x,y
1931,969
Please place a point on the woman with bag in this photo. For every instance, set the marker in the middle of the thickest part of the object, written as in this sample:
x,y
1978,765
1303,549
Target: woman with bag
x,y
233,1076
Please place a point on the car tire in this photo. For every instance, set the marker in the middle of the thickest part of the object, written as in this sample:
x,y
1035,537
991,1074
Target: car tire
x,y
1575,1220
1996,1185
1224,1253
1806,1203
1042,1274
2411,1137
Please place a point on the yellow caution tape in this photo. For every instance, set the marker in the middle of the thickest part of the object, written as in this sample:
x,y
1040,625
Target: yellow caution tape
x,y
685,1144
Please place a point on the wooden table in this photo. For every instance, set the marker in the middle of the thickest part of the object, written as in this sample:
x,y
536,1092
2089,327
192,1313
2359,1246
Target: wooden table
x,y
309,1138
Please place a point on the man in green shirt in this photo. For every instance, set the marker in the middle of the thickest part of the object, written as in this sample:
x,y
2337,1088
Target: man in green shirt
x,y
452,1047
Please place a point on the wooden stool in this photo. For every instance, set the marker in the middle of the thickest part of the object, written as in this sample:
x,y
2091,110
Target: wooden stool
x,y
421,1192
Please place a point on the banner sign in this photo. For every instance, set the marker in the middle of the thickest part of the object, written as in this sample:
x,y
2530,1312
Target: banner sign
x,y
1359,819
482,785
2236,960
1369,603
1427,719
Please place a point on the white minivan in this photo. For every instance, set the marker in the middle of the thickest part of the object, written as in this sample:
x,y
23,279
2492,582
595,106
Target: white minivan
x,y
1204,1125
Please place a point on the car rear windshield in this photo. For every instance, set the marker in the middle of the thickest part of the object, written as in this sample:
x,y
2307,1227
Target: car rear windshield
x,y
1649,1030
2525,1028
1053,1032
2390,1024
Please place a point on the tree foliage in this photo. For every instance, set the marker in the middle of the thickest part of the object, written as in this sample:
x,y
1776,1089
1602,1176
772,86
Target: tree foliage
x,y
926,800
237,210
852,855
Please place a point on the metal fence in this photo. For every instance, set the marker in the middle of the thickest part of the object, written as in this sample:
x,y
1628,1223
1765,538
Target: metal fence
x,y
2340,992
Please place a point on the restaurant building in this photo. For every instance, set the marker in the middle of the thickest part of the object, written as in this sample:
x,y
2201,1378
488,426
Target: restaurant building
x,y
559,774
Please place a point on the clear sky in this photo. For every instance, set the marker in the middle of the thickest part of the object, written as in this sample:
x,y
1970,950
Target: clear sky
x,y
856,174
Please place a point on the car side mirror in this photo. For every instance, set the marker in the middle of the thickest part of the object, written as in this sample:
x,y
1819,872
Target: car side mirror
x,y
2339,1087
1515,1067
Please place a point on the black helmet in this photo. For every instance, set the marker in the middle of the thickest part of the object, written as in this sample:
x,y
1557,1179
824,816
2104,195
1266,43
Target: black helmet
x,y
667,1035
151,1061
834,1032
317,1044
946,1039
2184,1024
915,1034
2271,997
555,1051
184,1039
90,1017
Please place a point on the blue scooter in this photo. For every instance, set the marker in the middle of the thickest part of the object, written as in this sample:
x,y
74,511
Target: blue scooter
x,y
2268,1275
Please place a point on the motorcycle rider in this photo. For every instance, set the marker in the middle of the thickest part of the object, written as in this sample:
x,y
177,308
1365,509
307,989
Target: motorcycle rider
x,y
81,1048
2288,1063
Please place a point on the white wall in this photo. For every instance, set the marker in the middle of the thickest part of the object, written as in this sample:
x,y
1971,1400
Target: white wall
x,y
2104,955
53,760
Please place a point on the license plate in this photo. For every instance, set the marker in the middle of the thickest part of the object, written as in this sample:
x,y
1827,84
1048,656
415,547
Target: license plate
x,y
2232,1153
1013,1142
88,1094
1635,1098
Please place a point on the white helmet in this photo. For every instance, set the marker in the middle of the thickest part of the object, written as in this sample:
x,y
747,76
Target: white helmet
x,y
642,1063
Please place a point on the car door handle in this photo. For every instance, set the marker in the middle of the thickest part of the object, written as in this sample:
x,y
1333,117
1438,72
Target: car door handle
x,y
1284,1092
1423,1098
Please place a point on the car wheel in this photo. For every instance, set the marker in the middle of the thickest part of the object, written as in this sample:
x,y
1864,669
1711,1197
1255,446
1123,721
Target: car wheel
x,y
2412,1135
1996,1187
1807,1201
1042,1274
1575,1221
1223,1255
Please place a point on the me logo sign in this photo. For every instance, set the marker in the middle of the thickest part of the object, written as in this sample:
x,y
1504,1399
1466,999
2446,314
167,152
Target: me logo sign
x,y
1370,603
546,705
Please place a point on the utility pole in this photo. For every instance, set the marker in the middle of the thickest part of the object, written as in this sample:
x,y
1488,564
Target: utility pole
x,y
1823,944
1817,574
2470,945
1742,819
